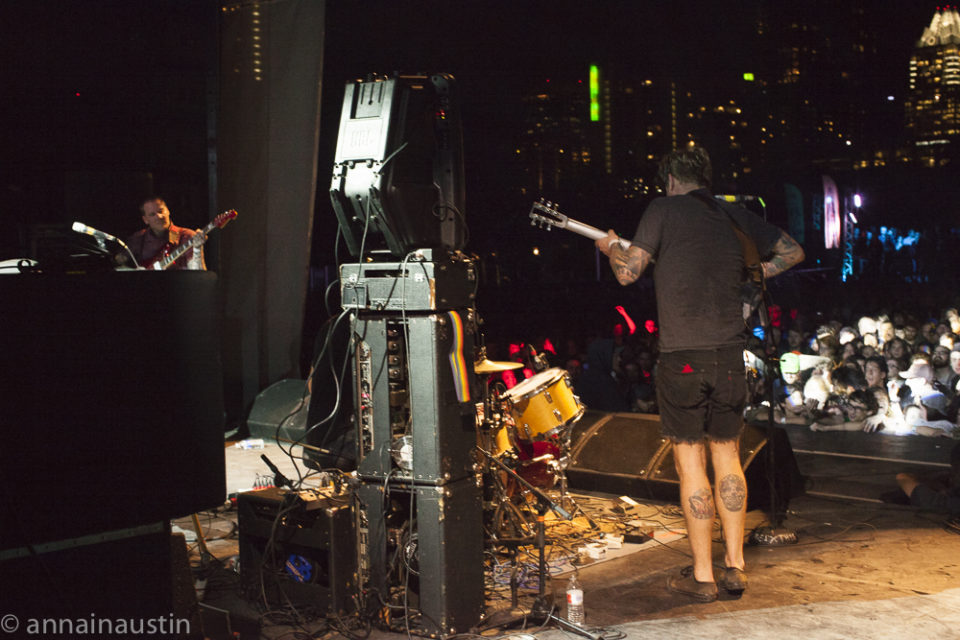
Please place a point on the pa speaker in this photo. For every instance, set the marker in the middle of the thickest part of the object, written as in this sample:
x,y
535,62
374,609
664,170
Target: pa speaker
x,y
398,181
624,453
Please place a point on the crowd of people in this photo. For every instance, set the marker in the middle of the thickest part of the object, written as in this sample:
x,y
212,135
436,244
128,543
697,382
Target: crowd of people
x,y
894,374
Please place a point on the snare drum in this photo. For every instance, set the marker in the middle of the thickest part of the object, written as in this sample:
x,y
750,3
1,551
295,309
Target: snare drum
x,y
543,406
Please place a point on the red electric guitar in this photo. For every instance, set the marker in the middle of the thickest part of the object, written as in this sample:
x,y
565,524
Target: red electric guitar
x,y
170,253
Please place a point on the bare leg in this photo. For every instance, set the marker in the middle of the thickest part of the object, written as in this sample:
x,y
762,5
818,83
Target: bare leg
x,y
908,482
731,488
696,499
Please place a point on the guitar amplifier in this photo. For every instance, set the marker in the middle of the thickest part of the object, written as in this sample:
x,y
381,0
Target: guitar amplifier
x,y
430,280
298,550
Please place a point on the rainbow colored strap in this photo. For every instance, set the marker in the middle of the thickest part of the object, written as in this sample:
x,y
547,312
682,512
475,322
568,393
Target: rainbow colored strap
x,y
458,364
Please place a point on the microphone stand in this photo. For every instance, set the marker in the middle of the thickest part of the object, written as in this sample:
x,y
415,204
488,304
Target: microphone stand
x,y
773,534
542,609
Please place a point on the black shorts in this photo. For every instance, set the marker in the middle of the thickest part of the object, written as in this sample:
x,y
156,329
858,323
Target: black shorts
x,y
702,394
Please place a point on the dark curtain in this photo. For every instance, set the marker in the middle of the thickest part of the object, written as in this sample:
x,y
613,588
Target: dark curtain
x,y
271,60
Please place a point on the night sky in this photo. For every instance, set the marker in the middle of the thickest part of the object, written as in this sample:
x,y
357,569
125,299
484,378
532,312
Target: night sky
x,y
115,85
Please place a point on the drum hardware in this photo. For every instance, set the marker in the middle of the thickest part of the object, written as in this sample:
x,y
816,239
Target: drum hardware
x,y
543,608
526,428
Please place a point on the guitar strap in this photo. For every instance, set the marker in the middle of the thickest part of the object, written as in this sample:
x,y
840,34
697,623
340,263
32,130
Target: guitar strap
x,y
751,261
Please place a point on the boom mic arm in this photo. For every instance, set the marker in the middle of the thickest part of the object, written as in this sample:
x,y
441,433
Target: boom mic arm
x,y
102,237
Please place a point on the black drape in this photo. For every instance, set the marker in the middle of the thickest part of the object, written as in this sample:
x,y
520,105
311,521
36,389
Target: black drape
x,y
271,60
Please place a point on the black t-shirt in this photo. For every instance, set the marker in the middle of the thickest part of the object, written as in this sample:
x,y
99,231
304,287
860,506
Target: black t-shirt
x,y
699,268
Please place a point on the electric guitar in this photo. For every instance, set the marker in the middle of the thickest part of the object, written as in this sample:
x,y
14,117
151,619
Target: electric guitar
x,y
171,253
546,215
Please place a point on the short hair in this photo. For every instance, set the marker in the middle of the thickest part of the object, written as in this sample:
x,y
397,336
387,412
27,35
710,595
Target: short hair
x,y
687,165
880,362
849,376
144,201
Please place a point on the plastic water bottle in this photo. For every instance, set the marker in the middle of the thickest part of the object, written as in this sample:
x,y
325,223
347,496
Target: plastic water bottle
x,y
574,601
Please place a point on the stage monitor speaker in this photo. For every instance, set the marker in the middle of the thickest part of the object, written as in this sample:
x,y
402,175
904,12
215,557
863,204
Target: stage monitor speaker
x,y
283,404
624,453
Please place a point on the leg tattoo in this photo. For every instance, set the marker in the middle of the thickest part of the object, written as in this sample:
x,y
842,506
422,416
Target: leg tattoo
x,y
733,492
701,505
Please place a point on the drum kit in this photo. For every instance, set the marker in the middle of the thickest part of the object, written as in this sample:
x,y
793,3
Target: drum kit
x,y
527,429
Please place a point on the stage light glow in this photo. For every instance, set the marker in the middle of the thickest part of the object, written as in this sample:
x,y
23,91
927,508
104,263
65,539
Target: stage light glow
x,y
857,200
630,323
748,76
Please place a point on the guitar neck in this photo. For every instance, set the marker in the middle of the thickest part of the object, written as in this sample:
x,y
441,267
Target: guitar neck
x,y
592,232
584,229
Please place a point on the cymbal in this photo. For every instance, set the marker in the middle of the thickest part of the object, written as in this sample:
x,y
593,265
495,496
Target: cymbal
x,y
489,366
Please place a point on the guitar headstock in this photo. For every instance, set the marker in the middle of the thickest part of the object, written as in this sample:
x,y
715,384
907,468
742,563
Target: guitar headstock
x,y
545,214
225,217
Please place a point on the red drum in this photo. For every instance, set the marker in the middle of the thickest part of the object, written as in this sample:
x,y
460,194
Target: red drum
x,y
539,463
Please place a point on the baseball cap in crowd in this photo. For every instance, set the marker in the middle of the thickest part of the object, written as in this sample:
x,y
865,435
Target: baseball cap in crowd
x,y
790,363
919,369
847,334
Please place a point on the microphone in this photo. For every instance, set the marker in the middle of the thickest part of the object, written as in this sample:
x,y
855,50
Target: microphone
x,y
538,360
102,237
278,477
79,227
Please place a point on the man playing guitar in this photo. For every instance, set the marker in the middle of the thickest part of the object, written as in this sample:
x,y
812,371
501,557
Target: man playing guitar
x,y
161,236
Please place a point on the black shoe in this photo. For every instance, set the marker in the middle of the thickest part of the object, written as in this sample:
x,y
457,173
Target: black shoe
x,y
895,497
952,525
686,584
734,580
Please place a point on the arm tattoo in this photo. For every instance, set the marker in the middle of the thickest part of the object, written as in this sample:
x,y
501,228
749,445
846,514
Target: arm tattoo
x,y
701,505
786,253
628,264
733,492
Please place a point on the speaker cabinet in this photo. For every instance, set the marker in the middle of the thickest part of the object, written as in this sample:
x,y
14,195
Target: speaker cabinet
x,y
423,546
299,552
624,453
415,392
115,574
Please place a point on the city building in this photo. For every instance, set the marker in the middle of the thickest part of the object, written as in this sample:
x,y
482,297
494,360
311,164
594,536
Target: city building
x,y
933,106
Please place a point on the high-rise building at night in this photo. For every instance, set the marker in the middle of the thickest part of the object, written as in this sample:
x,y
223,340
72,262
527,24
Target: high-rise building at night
x,y
933,105
825,90
558,146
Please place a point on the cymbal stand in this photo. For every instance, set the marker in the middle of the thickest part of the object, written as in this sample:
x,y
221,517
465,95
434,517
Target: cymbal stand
x,y
505,511
542,608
